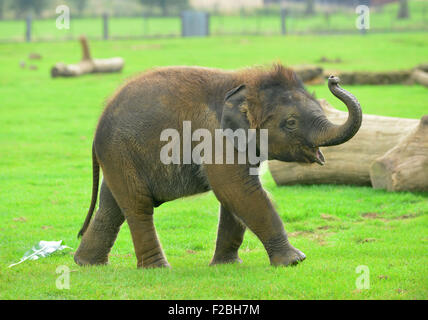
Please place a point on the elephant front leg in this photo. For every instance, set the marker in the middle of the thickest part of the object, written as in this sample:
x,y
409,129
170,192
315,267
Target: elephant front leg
x,y
146,243
243,195
229,238
98,240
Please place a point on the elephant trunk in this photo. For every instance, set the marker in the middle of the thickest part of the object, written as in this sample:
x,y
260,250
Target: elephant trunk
x,y
330,134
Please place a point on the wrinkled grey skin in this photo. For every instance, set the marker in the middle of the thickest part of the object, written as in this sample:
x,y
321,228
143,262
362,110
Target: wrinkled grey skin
x,y
127,148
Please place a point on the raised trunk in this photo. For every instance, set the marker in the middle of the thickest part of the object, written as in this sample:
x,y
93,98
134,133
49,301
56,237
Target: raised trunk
x,y
330,134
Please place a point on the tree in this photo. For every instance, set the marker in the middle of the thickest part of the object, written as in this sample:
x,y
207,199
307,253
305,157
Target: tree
x,y
80,5
25,6
166,6
403,11
1,9
310,7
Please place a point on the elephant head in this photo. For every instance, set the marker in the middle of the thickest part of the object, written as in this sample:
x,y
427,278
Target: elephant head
x,y
296,124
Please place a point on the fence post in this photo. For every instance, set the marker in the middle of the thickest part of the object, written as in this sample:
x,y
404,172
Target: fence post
x,y
194,23
208,25
28,29
283,26
145,24
105,26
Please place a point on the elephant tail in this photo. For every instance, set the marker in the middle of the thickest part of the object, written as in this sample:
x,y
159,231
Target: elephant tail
x,y
95,181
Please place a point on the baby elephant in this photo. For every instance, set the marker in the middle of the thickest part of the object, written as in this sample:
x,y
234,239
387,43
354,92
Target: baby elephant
x,y
149,146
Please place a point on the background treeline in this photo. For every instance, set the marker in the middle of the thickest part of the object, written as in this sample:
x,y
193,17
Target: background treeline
x,y
10,9
16,9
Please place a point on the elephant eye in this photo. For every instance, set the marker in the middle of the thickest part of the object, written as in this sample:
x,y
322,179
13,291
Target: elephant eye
x,y
289,124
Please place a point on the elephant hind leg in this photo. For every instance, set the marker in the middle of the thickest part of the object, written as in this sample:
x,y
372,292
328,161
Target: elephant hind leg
x,y
98,240
134,199
229,238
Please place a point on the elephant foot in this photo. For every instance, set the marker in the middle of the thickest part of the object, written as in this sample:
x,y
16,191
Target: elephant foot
x,y
155,261
91,252
85,261
225,259
291,256
160,264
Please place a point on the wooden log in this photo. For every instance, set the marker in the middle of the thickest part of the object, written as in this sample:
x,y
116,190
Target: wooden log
x,y
404,167
108,65
423,67
371,78
72,70
87,64
348,163
308,73
419,76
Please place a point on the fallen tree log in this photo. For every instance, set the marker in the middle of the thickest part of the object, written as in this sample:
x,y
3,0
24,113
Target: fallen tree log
x,y
411,76
348,163
371,78
423,67
419,76
404,167
87,64
309,73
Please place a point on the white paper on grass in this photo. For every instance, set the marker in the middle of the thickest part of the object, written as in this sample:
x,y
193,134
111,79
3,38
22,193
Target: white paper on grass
x,y
42,250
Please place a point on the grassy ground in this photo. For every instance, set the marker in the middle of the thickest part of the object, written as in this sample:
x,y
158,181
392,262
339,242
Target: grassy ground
x,y
248,23
46,128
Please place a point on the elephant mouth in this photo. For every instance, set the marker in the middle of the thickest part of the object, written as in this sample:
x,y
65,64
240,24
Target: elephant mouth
x,y
315,156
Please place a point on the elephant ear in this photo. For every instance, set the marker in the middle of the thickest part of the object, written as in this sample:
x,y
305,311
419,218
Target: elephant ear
x,y
234,118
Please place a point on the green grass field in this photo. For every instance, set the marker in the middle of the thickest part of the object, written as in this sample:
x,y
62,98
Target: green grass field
x,y
46,128
247,23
